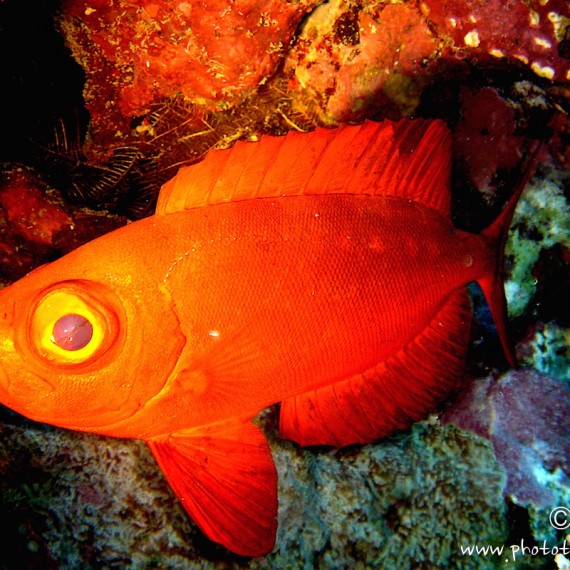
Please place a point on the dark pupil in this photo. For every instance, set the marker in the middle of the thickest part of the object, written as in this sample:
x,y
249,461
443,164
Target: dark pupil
x,y
72,332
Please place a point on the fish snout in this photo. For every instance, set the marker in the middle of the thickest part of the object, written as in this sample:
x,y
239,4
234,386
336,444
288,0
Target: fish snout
x,y
3,380
6,315
6,340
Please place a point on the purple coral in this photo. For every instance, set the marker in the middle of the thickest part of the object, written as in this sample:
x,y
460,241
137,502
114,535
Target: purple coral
x,y
525,415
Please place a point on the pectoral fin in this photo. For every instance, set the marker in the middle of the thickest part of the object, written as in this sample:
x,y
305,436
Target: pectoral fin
x,y
226,480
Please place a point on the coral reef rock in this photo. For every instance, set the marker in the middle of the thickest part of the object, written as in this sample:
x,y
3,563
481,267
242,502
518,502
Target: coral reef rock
x,y
411,501
350,59
530,32
137,53
525,416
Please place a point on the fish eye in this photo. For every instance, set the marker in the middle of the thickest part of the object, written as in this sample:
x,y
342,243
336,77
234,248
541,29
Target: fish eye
x,y
69,325
72,332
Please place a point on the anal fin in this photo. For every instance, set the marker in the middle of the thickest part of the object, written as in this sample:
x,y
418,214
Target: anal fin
x,y
226,480
392,395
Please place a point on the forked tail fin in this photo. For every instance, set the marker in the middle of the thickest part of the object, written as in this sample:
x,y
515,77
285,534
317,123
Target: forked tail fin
x,y
496,234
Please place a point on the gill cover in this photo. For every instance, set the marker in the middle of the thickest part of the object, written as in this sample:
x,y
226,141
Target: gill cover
x,y
82,353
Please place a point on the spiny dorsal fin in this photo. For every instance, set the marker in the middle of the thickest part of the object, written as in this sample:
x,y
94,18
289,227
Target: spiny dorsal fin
x,y
409,159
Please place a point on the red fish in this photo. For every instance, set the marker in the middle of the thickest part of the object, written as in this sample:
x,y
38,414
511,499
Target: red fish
x,y
318,270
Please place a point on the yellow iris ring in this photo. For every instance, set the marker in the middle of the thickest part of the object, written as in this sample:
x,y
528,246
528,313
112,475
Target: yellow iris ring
x,y
50,309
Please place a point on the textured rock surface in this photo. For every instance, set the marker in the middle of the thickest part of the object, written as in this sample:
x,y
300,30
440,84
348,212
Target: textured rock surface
x,y
344,60
348,61
485,136
530,440
36,224
529,32
83,501
537,251
211,53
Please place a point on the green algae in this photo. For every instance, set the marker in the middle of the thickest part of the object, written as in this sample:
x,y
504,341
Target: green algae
x,y
541,220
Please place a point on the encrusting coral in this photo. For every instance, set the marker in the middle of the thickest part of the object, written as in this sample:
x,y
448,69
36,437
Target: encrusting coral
x,y
212,53
412,501
529,440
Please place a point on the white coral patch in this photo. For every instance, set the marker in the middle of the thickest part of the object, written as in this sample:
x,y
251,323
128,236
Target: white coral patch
x,y
521,57
542,70
497,52
472,39
542,42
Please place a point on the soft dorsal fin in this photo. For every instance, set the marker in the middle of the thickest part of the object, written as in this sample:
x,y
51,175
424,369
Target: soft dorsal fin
x,y
410,159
